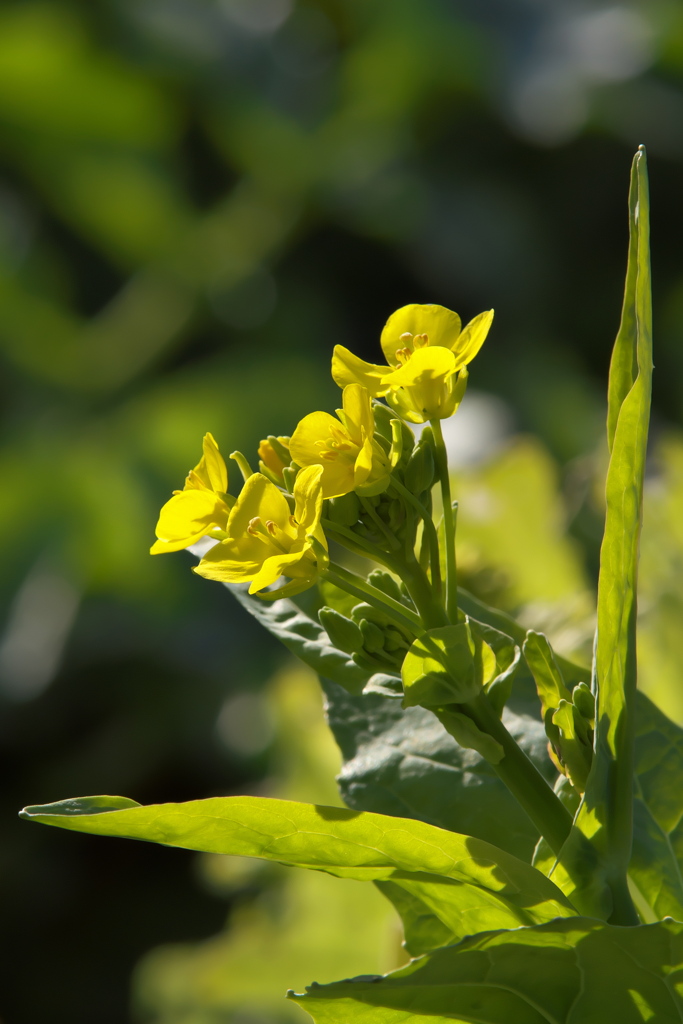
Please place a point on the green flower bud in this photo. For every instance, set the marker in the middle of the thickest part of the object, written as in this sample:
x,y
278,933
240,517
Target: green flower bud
x,y
373,637
369,612
344,634
419,473
385,582
289,476
344,510
584,701
383,417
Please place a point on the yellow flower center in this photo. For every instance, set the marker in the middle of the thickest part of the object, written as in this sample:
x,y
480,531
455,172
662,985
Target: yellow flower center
x,y
338,443
415,340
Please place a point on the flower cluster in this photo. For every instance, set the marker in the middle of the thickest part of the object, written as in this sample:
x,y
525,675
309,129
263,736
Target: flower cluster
x,y
358,478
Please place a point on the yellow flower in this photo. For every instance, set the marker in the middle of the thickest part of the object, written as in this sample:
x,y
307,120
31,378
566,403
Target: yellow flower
x,y
201,508
265,541
345,448
427,355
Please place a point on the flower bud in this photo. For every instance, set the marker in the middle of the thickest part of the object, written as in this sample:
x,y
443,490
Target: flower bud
x,y
419,474
367,611
584,702
385,582
373,637
344,634
344,510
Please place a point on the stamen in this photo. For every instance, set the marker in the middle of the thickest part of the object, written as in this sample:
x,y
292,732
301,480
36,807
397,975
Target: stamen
x,y
420,340
271,527
403,355
254,526
330,456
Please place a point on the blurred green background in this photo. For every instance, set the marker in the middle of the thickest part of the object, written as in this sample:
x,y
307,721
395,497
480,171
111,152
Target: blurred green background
x,y
197,201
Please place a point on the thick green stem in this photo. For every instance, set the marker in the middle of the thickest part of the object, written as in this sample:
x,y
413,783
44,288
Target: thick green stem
x,y
448,521
521,777
364,591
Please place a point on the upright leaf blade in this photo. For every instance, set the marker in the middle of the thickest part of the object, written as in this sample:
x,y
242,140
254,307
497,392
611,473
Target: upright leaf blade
x,y
606,815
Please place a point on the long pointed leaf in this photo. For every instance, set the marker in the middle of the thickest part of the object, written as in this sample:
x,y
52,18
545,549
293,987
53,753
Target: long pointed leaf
x,y
467,885
606,814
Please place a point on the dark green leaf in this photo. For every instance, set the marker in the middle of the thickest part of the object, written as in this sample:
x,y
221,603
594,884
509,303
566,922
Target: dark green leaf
x,y
307,639
404,763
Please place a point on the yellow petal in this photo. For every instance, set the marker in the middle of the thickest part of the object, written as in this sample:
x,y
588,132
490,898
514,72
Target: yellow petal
x,y
350,369
441,325
427,364
337,464
472,338
358,413
225,570
259,497
317,426
274,567
186,517
211,471
308,494
363,466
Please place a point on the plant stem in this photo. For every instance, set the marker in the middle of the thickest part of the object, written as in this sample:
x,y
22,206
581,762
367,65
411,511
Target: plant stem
x,y
363,590
431,609
382,527
358,545
448,521
429,530
522,778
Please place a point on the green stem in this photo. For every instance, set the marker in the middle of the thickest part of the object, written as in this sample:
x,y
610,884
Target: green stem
x,y
382,527
522,778
358,545
360,588
429,530
431,609
448,521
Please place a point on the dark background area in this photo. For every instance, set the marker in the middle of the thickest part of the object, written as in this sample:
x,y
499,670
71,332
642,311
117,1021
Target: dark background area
x,y
197,201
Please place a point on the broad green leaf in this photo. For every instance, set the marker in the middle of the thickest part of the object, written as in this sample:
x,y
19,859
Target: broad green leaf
x,y
605,816
468,885
577,971
307,639
404,763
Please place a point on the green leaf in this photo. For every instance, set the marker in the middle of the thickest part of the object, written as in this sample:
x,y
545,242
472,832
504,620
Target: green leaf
x,y
579,970
446,666
466,884
606,814
657,859
546,672
404,763
307,639
574,743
